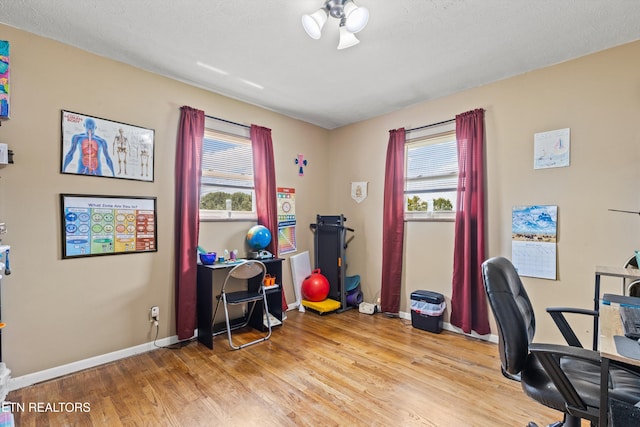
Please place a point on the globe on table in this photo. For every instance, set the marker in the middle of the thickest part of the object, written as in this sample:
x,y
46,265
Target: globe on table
x,y
258,237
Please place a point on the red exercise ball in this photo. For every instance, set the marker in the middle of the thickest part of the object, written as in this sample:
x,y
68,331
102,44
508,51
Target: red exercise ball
x,y
315,287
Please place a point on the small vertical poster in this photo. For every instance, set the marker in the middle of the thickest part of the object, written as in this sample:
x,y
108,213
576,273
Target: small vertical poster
x,y
286,220
4,79
533,240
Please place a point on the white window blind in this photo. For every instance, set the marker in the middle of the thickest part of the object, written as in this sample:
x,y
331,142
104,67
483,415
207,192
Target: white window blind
x,y
227,185
431,172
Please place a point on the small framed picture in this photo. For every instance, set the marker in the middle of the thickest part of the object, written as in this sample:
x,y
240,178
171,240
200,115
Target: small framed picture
x,y
93,146
552,149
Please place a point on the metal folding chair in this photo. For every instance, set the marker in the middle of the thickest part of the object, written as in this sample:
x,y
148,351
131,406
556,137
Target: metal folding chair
x,y
246,270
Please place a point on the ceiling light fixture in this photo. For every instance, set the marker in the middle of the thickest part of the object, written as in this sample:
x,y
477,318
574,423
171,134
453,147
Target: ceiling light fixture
x,y
352,20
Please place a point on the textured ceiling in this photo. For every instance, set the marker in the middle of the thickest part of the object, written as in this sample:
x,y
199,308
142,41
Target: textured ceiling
x,y
256,50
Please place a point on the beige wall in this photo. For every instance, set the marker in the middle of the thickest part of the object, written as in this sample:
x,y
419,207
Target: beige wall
x,y
598,98
61,311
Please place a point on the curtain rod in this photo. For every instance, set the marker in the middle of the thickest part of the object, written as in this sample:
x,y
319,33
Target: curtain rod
x,y
228,121
430,126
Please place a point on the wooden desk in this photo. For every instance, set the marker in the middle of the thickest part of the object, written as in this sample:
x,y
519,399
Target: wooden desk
x,y
610,326
204,297
623,273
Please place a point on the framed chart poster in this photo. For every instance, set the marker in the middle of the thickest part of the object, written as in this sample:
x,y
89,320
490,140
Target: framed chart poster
x,y
107,225
98,147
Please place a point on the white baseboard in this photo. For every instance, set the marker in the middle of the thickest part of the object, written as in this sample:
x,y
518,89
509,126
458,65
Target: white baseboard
x,y
58,371
449,327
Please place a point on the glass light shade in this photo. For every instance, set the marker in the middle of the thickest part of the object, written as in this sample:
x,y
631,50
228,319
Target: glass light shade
x,y
357,17
313,23
347,38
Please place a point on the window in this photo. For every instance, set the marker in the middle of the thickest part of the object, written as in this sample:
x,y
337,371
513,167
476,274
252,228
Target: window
x,y
227,187
431,176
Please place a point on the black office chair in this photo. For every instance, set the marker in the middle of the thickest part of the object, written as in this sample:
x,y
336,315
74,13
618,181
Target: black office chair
x,y
252,296
561,377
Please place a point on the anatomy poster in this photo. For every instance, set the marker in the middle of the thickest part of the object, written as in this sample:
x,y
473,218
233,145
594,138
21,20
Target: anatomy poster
x,y
107,225
97,147
286,220
533,240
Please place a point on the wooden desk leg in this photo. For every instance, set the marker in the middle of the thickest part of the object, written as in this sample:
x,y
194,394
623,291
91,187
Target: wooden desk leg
x,y
604,392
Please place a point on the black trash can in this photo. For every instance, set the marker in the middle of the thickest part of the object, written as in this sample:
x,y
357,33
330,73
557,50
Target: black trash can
x,y
427,308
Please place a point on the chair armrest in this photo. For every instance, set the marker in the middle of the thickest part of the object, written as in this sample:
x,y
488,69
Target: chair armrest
x,y
565,351
557,314
572,310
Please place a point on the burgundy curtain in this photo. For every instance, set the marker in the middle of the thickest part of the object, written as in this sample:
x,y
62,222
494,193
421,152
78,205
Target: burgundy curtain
x,y
393,224
187,194
468,301
264,173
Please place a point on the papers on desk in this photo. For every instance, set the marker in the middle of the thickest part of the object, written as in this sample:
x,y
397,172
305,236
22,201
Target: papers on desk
x,y
607,299
627,347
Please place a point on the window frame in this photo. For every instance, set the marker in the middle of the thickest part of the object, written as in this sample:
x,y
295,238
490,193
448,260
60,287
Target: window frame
x,y
435,135
233,136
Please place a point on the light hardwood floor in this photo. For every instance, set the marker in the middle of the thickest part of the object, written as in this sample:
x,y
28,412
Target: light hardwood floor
x,y
344,369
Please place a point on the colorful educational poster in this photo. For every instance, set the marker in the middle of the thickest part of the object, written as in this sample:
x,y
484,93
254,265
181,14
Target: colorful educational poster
x,y
286,220
103,225
4,79
551,149
533,240
286,238
286,204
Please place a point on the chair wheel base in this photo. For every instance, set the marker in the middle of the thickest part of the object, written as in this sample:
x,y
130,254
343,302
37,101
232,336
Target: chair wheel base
x,y
556,424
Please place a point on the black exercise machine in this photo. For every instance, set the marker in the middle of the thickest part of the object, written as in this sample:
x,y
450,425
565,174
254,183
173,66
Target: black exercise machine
x,y
330,244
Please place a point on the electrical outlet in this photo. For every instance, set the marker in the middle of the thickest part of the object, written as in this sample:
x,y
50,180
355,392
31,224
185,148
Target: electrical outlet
x,y
154,314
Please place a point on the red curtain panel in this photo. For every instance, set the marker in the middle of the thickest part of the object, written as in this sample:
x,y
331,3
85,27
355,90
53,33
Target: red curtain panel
x,y
468,300
187,218
393,224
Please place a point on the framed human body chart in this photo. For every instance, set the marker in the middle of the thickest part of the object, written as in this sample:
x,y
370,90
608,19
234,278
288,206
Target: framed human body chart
x,y
98,147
